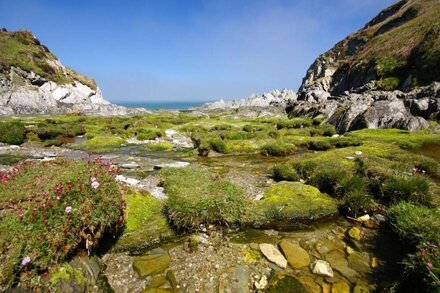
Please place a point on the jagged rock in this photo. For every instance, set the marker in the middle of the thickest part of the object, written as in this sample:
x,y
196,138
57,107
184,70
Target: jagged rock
x,y
60,91
273,98
322,268
375,109
348,83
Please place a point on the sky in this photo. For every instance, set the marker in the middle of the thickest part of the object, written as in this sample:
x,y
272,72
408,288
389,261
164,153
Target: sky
x,y
189,50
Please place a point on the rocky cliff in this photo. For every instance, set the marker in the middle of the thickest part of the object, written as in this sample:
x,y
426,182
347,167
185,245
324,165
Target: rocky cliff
x,y
275,98
33,81
382,75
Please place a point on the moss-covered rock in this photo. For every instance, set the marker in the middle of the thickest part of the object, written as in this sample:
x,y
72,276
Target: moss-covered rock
x,y
145,223
102,144
286,201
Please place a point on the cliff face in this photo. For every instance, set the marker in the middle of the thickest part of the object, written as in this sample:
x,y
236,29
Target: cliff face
x,y
398,49
382,76
33,81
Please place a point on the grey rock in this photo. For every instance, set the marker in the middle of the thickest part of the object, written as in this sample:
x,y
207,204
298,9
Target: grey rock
x,y
25,92
372,108
171,165
273,98
131,165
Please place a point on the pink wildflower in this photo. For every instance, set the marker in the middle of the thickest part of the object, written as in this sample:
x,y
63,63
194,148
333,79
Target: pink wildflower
x,y
95,184
68,209
25,261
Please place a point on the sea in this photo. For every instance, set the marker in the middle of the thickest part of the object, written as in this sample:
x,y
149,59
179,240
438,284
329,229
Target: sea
x,y
162,105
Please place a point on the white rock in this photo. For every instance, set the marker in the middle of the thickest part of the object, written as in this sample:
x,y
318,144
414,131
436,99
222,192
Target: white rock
x,y
321,267
262,283
358,153
350,158
171,165
335,135
273,254
364,218
158,192
132,165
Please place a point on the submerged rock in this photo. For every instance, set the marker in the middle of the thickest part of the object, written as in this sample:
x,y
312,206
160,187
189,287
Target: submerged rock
x,y
151,264
172,165
236,280
296,256
286,284
273,254
131,165
354,233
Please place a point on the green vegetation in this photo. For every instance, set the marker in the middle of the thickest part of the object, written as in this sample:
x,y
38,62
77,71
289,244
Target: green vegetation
x,y
51,210
420,226
12,132
293,200
102,144
197,197
21,49
404,45
278,148
159,146
146,222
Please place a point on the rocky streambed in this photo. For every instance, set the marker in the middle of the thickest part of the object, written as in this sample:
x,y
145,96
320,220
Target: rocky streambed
x,y
340,255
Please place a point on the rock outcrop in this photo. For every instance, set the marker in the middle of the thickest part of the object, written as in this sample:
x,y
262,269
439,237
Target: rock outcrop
x,y
275,98
398,49
33,81
382,76
374,108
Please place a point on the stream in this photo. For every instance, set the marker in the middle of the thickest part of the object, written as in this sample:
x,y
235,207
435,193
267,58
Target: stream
x,y
231,260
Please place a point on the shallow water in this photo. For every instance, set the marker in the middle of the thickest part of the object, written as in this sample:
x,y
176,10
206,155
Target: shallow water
x,y
431,150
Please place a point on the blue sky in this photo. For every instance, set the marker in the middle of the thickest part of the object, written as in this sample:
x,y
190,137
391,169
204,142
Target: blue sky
x,y
189,50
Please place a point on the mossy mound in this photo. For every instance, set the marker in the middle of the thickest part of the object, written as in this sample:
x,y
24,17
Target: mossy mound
x,y
195,197
145,223
287,201
102,144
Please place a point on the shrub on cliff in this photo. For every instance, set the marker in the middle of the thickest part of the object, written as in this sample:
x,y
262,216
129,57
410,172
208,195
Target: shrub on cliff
x,y
51,210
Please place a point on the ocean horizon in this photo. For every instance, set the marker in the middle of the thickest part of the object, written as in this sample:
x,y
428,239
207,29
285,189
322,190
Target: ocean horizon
x,y
162,105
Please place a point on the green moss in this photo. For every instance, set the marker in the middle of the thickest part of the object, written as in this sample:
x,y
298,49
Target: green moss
x,y
319,145
251,256
158,147
143,133
278,148
146,222
66,272
102,144
294,200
